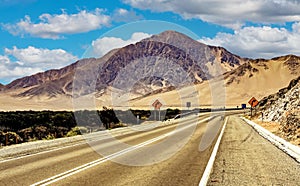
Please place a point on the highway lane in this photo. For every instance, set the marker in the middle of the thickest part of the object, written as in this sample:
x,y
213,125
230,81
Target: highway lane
x,y
188,163
183,168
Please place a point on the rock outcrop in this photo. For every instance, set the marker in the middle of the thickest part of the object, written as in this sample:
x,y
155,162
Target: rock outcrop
x,y
284,107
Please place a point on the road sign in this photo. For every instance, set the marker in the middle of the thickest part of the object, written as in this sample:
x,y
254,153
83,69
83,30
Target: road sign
x,y
157,104
244,106
253,102
188,104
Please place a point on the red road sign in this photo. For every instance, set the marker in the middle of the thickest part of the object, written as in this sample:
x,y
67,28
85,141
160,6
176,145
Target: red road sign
x,y
253,102
157,104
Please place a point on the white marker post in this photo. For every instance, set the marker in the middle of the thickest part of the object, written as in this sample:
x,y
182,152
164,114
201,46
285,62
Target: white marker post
x,y
159,114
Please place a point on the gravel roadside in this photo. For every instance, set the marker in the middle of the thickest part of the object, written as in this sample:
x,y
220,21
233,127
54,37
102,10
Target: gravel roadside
x,y
17,150
246,158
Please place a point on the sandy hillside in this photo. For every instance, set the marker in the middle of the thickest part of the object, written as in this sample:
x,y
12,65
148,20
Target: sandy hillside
x,y
255,78
258,79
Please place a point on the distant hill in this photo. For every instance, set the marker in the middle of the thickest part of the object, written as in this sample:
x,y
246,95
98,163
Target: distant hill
x,y
254,78
197,59
164,55
261,77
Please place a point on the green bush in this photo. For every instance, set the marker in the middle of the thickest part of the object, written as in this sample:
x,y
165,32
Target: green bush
x,y
118,125
74,132
12,138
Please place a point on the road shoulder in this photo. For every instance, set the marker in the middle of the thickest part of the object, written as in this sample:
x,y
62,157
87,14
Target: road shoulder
x,y
246,158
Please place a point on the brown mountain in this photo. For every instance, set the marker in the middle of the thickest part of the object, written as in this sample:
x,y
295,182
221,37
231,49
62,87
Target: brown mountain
x,y
260,77
196,59
162,64
255,78
51,82
208,57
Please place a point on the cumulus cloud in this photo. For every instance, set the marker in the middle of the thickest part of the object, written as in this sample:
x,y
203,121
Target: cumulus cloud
x,y
230,13
31,60
103,45
259,42
53,26
12,71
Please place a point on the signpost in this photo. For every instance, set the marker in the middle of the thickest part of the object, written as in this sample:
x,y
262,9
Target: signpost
x,y
157,104
253,102
188,105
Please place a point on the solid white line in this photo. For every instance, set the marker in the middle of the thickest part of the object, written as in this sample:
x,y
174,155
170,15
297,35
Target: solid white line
x,y
76,170
210,164
43,152
118,132
89,137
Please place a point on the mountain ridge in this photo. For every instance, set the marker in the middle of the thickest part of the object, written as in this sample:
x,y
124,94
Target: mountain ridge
x,y
201,63
189,54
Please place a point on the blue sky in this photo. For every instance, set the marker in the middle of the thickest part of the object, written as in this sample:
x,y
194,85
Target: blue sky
x,y
37,35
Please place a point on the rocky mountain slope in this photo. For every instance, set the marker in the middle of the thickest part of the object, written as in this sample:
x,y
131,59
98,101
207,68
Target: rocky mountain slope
x,y
216,60
163,65
255,78
284,107
196,59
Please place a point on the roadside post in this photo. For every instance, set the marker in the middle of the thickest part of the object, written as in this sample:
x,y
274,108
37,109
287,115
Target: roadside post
x,y
159,114
6,139
188,105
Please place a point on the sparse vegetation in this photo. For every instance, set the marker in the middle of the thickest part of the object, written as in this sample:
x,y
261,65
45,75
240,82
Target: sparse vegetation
x,y
25,126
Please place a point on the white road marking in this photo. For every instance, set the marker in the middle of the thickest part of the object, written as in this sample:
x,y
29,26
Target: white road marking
x,y
43,152
210,164
76,170
89,137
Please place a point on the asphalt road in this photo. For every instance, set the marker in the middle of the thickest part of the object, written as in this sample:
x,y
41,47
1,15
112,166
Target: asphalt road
x,y
170,154
166,155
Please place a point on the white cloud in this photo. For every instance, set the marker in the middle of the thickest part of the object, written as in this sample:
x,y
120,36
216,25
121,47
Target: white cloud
x,y
123,15
53,26
12,70
4,60
230,13
43,58
31,60
259,42
103,45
